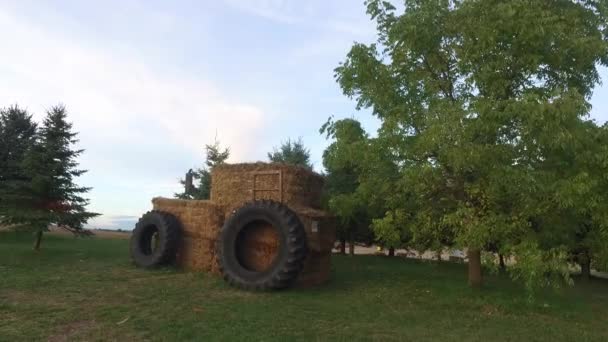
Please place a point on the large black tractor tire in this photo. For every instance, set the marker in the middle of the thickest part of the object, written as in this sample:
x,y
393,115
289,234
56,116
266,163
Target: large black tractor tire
x,y
290,256
155,239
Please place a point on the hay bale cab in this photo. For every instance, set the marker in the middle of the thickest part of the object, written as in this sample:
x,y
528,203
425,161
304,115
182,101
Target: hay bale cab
x,y
262,229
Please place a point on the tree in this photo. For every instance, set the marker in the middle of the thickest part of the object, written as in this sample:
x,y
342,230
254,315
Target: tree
x,y
291,152
340,160
50,195
360,178
578,188
17,130
473,96
17,133
215,155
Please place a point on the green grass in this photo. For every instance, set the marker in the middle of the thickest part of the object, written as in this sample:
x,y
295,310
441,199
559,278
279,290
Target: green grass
x,y
87,289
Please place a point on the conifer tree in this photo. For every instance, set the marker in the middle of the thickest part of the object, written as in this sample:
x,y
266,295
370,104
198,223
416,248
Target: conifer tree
x,y
291,152
215,155
51,196
17,133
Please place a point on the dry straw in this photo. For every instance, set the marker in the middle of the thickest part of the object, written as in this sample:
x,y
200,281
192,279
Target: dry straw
x,y
201,222
234,185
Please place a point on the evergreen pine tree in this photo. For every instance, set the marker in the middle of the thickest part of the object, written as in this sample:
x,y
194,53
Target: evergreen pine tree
x,y
17,134
51,166
215,155
291,152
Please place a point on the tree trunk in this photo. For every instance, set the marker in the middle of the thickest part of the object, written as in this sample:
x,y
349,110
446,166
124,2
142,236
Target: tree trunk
x,y
351,247
38,240
391,252
474,268
343,246
501,263
585,263
438,255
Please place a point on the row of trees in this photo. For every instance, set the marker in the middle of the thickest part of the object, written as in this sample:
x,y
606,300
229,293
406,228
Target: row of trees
x,y
485,142
38,168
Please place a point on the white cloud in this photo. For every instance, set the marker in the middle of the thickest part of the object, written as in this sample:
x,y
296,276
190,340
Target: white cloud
x,y
111,94
124,108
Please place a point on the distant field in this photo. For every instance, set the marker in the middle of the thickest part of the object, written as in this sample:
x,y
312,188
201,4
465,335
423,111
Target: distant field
x,y
106,234
87,289
109,234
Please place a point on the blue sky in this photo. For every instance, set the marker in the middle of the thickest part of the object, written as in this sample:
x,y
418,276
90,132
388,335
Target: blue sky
x,y
148,83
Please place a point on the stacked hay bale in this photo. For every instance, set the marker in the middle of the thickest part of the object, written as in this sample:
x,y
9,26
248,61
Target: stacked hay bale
x,y
232,185
320,230
201,222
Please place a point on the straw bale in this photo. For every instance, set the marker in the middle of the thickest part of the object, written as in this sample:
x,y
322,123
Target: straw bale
x,y
197,254
185,255
201,219
320,228
201,222
232,185
317,270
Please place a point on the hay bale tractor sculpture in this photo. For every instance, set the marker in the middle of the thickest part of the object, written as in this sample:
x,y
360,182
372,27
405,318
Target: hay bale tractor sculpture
x,y
261,230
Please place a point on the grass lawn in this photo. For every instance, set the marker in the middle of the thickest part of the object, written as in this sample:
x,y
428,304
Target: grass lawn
x,y
87,289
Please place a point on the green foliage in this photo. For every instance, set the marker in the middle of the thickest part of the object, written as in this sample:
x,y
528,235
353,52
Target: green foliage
x,y
480,104
538,268
389,230
215,155
17,134
578,191
341,160
17,131
44,192
291,152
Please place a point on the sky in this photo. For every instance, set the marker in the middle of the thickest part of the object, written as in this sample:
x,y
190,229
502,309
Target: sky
x,y
147,83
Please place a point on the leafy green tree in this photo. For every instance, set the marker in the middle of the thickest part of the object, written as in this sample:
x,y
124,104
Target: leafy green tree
x,y
50,195
473,96
361,175
291,152
215,155
577,187
341,160
17,133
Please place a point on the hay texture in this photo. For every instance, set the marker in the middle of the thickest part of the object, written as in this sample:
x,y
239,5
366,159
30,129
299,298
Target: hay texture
x,y
201,222
232,185
321,235
258,246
